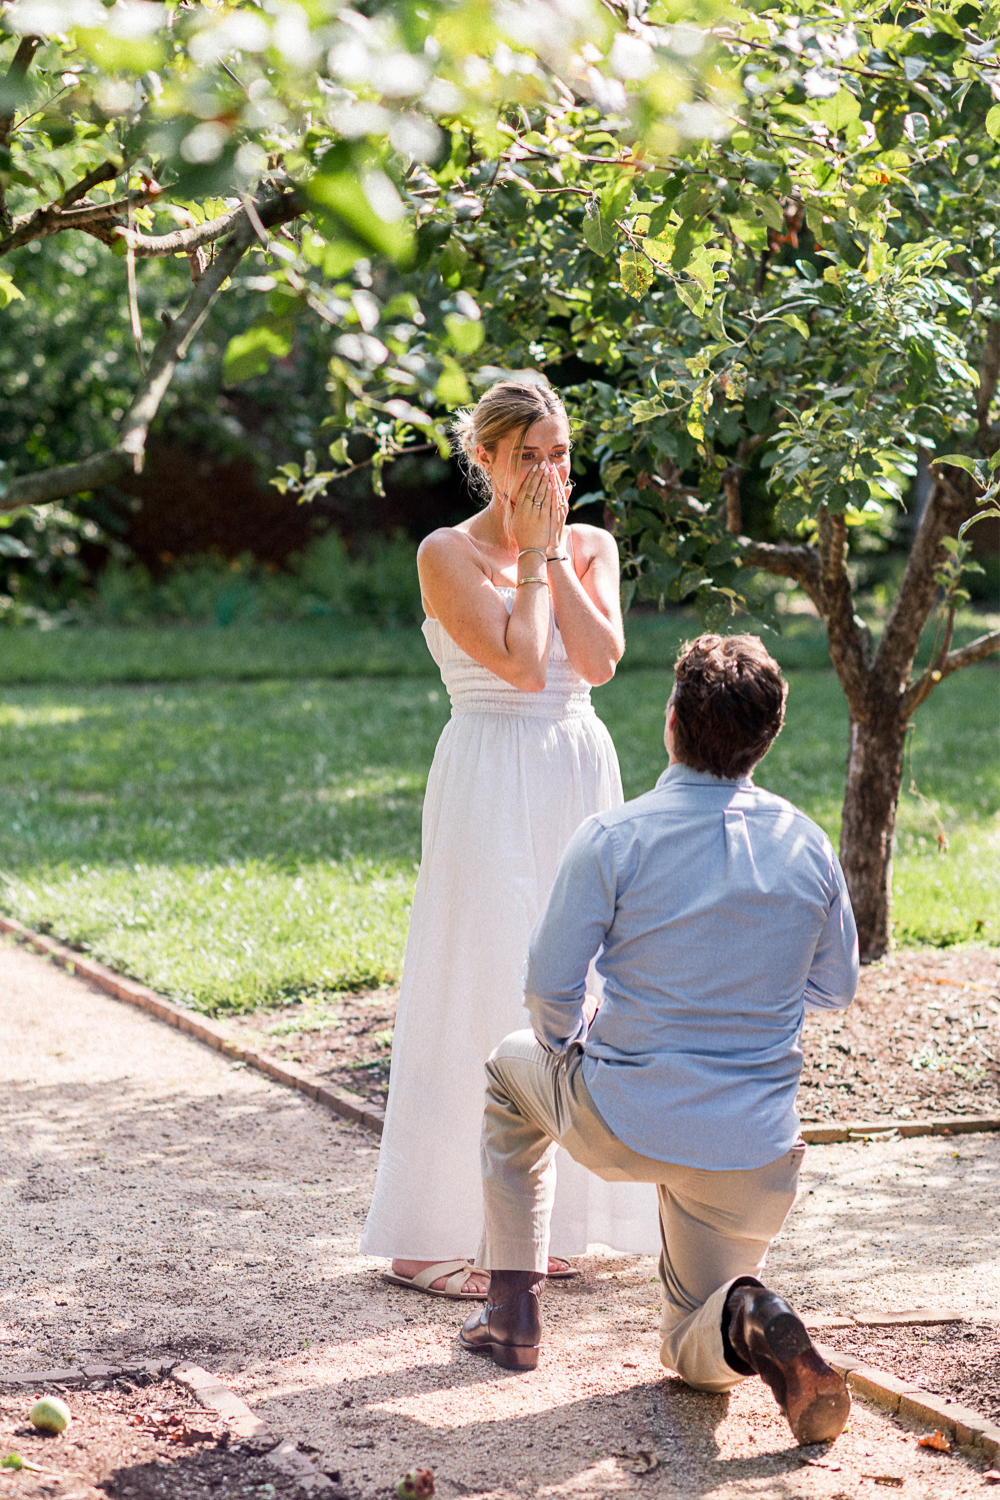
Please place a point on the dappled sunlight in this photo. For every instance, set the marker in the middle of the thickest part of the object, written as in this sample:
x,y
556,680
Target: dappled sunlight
x,y
904,1223
44,714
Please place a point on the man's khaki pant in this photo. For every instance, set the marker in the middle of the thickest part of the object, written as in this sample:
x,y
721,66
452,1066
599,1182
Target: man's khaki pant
x,y
715,1227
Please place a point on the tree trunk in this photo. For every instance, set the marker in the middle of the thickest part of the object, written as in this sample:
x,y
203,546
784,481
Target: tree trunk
x,y
874,771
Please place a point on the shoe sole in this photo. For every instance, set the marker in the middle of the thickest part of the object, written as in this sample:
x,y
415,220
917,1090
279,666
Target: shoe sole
x,y
818,1402
507,1356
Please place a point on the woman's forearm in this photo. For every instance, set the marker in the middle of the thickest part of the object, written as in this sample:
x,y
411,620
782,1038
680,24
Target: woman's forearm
x,y
527,635
594,644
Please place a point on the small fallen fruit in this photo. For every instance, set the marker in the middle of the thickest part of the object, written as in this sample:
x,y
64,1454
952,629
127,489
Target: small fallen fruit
x,y
50,1415
416,1485
935,1440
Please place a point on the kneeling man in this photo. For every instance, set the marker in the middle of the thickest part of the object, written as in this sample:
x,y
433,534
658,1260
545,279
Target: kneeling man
x,y
718,914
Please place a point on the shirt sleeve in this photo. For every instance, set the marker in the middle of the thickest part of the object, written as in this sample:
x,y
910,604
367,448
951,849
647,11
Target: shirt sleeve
x,y
833,976
568,934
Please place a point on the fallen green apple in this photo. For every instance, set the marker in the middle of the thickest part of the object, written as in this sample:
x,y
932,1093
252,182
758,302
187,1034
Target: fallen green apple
x,y
50,1414
416,1485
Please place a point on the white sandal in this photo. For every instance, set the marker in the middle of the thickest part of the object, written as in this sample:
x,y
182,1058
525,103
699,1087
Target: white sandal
x,y
457,1272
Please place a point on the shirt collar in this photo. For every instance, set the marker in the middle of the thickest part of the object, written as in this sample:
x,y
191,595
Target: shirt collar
x,y
681,775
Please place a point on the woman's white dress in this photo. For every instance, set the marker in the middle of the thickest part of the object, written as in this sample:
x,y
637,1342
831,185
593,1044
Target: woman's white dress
x,y
513,776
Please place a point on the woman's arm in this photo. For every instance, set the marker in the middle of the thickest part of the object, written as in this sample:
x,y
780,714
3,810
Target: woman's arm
x,y
587,604
457,592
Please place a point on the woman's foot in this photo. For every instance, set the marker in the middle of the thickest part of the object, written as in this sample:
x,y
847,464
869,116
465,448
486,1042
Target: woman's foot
x,y
475,1282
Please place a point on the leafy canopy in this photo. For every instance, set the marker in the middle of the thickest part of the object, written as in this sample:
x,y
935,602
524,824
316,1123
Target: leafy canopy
x,y
736,232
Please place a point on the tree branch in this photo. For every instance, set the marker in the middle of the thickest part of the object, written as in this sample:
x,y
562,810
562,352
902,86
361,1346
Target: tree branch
x,y
180,241
847,636
947,507
989,373
106,172
982,646
923,688
171,347
949,662
100,219
784,561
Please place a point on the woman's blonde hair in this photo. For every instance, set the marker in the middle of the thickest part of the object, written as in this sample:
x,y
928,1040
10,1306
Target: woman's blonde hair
x,y
510,406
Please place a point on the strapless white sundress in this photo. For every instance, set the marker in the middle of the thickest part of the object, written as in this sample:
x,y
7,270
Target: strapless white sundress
x,y
513,776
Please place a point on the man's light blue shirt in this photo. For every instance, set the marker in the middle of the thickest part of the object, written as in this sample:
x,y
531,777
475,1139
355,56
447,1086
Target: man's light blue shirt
x,y
718,914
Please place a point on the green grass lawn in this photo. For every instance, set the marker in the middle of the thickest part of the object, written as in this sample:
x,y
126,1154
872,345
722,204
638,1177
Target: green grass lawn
x,y
239,843
329,646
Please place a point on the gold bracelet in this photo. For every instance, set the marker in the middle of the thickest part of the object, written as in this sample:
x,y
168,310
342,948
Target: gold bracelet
x,y
522,581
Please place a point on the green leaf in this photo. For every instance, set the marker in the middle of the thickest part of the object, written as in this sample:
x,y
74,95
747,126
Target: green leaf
x,y
342,192
466,334
683,245
714,608
599,235
454,258
659,251
615,197
838,112
250,353
700,267
8,291
794,321
716,327
762,174
993,121
958,461
452,388
635,271
660,218
753,234
645,411
771,210
692,296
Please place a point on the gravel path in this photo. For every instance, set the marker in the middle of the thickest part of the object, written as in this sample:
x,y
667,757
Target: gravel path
x,y
156,1199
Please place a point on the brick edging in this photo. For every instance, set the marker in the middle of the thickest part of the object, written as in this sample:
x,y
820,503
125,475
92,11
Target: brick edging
x,y
967,1427
209,1392
874,1130
349,1106
353,1106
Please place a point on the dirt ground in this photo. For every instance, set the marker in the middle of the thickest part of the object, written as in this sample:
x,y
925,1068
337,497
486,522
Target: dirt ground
x,y
961,1360
130,1442
156,1200
921,1039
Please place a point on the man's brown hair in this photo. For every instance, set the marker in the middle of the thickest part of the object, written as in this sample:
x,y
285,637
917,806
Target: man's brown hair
x,y
729,699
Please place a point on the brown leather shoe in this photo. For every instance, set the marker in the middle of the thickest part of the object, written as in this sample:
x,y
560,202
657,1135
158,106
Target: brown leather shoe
x,y
769,1339
509,1327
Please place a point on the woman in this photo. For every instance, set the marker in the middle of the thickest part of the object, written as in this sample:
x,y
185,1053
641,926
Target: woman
x,y
522,618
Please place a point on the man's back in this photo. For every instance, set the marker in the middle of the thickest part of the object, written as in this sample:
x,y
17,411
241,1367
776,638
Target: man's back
x,y
722,910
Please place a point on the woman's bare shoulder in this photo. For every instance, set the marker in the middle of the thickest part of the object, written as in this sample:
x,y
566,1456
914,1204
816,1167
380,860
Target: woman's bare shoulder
x,y
446,543
592,542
